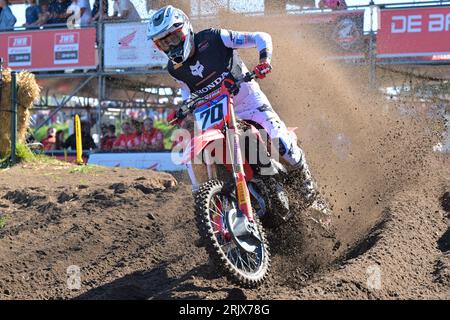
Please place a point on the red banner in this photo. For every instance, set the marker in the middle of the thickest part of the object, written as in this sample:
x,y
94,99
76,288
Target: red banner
x,y
55,49
415,32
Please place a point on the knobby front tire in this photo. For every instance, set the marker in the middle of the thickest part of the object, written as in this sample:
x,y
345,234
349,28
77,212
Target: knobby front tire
x,y
248,270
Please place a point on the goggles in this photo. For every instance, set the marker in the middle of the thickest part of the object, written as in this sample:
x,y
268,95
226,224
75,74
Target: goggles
x,y
171,41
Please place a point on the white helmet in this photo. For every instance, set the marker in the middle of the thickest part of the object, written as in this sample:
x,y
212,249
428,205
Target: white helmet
x,y
171,31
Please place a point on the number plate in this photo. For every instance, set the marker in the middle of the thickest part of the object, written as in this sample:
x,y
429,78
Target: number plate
x,y
211,113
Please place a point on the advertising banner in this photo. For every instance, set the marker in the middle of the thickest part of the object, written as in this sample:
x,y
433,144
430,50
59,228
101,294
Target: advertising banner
x,y
414,32
126,46
158,161
56,49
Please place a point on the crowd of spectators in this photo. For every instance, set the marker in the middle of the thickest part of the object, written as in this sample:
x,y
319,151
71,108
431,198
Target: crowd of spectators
x,y
135,136
57,12
55,140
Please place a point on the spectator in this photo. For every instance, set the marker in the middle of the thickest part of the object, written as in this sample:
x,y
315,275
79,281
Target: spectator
x,y
108,138
125,10
96,10
58,11
7,19
85,11
333,4
103,130
152,138
81,9
86,139
127,140
136,129
44,14
32,14
50,140
59,140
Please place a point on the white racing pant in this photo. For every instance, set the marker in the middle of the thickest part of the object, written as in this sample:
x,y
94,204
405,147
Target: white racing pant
x,y
252,104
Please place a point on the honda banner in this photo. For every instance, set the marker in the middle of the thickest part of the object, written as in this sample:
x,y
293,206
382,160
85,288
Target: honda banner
x,y
55,49
126,46
415,32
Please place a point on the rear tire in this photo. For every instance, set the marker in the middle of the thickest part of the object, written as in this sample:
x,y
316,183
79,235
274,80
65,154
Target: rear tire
x,y
213,194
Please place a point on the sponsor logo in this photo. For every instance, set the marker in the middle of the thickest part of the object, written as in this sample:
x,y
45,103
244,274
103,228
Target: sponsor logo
x,y
239,38
437,22
69,38
264,108
19,51
197,70
23,41
66,48
125,41
203,46
213,84
347,33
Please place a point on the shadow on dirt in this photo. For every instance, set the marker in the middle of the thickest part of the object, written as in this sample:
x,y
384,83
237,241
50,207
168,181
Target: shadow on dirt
x,y
445,202
368,242
444,241
157,284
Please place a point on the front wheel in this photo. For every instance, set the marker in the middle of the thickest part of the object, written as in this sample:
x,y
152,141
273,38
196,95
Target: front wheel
x,y
245,265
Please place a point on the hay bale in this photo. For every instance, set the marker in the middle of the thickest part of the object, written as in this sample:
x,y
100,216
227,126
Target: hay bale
x,y
27,91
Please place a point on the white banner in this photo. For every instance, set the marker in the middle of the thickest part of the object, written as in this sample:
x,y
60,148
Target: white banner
x,y
158,161
126,46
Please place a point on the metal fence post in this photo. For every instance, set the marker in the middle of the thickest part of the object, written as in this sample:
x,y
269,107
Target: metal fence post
x,y
101,78
372,50
13,117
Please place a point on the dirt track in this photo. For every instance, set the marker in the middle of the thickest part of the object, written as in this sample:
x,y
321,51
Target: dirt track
x,y
132,233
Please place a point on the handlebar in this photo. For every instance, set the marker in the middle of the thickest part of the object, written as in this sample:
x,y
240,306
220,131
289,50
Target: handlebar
x,y
190,105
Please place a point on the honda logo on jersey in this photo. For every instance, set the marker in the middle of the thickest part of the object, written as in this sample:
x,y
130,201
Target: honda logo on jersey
x,y
197,70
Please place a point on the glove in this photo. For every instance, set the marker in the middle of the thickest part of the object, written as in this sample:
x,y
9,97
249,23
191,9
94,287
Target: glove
x,y
176,117
262,69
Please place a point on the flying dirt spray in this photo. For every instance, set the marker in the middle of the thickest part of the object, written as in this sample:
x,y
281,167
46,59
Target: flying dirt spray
x,y
361,149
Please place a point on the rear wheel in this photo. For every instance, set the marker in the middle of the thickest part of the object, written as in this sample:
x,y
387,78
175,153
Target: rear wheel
x,y
216,214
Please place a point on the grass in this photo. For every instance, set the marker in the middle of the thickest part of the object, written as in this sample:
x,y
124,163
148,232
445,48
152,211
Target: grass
x,y
23,154
3,220
41,158
167,130
84,169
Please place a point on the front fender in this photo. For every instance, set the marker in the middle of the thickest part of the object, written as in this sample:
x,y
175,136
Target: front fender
x,y
199,143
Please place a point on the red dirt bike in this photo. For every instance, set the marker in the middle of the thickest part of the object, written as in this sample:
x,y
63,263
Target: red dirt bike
x,y
236,196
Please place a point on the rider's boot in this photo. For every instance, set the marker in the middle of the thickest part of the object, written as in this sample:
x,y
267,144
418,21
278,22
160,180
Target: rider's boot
x,y
318,209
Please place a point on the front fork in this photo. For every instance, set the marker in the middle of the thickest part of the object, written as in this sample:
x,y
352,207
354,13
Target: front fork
x,y
235,154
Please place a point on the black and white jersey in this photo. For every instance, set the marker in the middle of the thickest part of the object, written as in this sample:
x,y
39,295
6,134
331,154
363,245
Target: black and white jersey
x,y
215,59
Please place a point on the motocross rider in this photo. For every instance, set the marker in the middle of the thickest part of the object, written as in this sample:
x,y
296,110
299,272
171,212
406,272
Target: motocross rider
x,y
200,62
